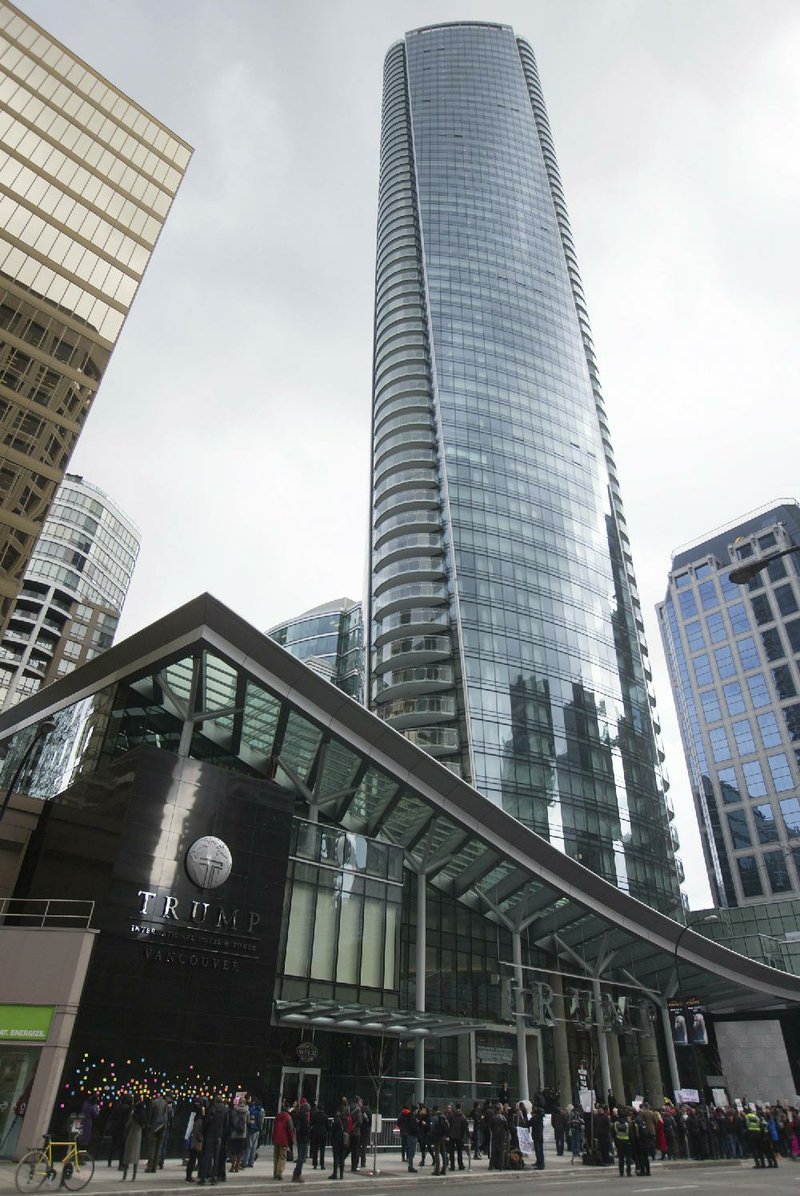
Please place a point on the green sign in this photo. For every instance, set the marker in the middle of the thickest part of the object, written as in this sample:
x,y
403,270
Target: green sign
x,y
25,1023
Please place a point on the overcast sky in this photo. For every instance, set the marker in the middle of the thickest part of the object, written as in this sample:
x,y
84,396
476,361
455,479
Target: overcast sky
x,y
233,422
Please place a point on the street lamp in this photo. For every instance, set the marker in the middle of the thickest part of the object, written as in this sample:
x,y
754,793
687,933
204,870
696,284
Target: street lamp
x,y
746,573
690,926
44,728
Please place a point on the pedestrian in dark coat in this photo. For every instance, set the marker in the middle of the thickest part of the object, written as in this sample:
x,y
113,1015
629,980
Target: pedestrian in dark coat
x,y
319,1136
133,1139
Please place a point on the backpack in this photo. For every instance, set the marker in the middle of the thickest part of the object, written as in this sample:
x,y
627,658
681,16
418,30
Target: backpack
x,y
622,1130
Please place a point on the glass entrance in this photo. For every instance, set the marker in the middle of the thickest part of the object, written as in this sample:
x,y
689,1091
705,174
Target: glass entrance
x,y
297,1082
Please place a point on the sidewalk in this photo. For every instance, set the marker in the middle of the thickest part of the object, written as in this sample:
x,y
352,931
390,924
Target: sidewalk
x,y
391,1167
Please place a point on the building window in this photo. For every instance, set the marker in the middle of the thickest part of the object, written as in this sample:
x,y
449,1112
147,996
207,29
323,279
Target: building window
x,y
759,694
773,646
784,596
777,872
729,589
711,708
702,670
694,636
738,617
748,876
776,571
768,726
716,628
729,786
703,571
761,609
719,745
748,653
767,541
740,833
682,581
781,773
790,809
688,605
793,632
792,716
745,744
784,682
754,779
733,698
743,551
765,824
708,595
725,662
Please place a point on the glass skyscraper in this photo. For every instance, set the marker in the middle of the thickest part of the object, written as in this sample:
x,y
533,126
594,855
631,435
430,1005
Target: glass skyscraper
x,y
73,593
504,629
87,178
330,640
734,660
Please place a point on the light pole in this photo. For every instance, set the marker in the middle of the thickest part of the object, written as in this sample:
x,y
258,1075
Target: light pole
x,y
679,984
44,728
746,573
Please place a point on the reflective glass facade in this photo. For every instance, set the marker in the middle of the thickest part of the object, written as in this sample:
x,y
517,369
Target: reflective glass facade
x,y
74,590
87,178
734,659
330,640
505,633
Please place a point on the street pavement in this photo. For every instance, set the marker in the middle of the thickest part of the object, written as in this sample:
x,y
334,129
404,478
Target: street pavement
x,y
718,1178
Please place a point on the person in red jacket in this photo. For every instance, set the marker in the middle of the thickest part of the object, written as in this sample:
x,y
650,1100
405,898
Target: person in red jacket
x,y
282,1139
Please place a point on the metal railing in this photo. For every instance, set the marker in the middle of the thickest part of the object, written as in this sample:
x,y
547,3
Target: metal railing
x,y
46,913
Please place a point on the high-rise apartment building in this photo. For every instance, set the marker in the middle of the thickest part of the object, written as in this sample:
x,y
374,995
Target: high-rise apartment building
x,y
87,178
504,630
73,593
733,654
330,640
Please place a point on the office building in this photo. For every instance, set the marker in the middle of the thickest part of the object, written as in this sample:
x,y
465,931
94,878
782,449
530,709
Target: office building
x,y
330,640
73,592
732,653
504,630
237,825
87,178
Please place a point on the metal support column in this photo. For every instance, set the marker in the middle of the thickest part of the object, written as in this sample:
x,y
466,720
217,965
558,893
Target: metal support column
x,y
674,1074
422,935
602,1045
522,1046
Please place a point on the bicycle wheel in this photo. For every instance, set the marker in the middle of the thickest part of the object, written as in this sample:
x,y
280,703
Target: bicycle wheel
x,y
75,1176
32,1170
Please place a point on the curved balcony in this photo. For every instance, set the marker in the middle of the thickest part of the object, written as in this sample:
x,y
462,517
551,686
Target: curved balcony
x,y
407,478
421,568
420,437
407,544
413,651
414,402
408,521
427,679
414,712
408,596
436,741
418,620
404,459
403,499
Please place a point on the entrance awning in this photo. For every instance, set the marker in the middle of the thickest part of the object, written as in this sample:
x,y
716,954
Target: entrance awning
x,y
391,1023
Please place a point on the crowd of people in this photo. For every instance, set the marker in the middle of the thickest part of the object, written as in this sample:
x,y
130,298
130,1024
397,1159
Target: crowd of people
x,y
223,1134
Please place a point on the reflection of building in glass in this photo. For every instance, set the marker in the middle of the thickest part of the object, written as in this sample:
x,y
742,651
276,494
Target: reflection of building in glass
x,y
505,632
87,178
330,640
73,593
733,653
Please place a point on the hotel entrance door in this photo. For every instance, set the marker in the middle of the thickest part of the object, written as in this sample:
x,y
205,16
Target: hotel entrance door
x,y
297,1082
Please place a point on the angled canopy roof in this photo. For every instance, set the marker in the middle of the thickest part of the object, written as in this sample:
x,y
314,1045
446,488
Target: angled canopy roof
x,y
205,682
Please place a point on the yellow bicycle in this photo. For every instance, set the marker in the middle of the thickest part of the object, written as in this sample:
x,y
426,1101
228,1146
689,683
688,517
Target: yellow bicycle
x,y
37,1167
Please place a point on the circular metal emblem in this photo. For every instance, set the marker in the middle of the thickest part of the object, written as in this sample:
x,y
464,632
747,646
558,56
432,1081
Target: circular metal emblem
x,y
306,1051
208,862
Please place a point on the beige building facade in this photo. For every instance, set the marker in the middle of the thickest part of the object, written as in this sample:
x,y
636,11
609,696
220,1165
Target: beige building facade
x,y
87,178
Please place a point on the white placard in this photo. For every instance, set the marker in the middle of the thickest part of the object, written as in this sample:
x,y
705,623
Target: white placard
x,y
525,1140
